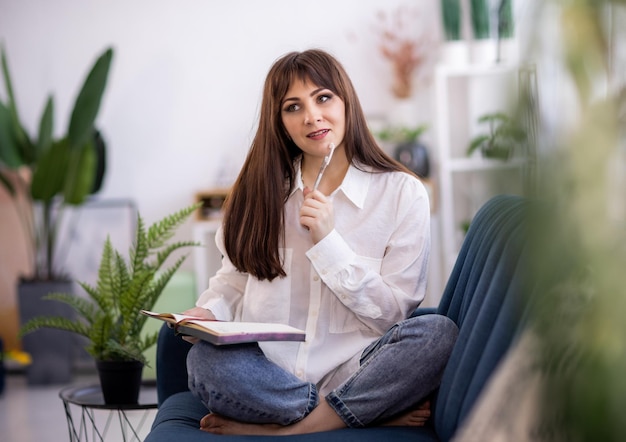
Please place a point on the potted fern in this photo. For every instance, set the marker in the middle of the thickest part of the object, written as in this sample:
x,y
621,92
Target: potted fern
x,y
109,318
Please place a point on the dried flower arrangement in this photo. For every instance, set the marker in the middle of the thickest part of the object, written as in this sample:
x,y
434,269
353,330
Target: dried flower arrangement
x,y
404,45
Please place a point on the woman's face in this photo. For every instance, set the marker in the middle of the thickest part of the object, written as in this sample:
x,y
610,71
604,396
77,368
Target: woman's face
x,y
313,117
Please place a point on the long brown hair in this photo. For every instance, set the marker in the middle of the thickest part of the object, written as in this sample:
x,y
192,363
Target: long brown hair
x,y
254,218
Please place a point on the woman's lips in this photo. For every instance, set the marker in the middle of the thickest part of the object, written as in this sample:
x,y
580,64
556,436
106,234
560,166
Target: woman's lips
x,y
319,134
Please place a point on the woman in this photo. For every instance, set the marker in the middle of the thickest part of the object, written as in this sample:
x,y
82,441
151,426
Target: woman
x,y
346,262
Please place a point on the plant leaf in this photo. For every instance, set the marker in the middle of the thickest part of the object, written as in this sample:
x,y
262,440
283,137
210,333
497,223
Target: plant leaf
x,y
494,117
8,83
49,177
476,143
80,174
44,141
88,101
58,322
86,308
9,149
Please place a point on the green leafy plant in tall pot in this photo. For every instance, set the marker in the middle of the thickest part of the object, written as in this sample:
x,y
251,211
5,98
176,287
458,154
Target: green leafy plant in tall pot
x,y
45,174
110,317
455,51
484,45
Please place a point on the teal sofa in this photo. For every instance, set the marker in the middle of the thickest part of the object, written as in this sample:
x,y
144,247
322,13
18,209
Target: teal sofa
x,y
484,296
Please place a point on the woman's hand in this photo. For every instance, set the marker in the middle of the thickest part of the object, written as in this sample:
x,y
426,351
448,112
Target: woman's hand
x,y
198,312
317,215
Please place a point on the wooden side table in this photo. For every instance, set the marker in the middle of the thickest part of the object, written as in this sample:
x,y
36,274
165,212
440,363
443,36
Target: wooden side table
x,y
86,399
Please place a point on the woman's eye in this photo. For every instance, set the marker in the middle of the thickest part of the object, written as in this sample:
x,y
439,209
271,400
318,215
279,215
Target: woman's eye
x,y
323,98
291,108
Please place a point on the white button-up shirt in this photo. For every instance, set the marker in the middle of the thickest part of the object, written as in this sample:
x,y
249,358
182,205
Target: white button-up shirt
x,y
345,291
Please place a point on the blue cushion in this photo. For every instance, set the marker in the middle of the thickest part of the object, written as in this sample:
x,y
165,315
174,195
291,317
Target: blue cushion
x,y
171,364
179,416
483,297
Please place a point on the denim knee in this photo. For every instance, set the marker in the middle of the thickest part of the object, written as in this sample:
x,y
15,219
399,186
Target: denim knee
x,y
239,382
397,372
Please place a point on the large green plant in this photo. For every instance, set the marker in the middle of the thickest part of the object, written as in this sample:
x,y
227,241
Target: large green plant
x,y
110,317
582,244
45,174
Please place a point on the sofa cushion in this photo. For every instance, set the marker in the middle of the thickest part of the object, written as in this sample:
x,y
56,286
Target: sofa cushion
x,y
179,416
483,296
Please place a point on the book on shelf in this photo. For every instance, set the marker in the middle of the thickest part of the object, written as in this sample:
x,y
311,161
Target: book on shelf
x,y
228,332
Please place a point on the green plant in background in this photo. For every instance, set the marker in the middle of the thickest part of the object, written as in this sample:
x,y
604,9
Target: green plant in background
x,y
503,138
401,134
580,246
479,13
451,15
46,174
110,318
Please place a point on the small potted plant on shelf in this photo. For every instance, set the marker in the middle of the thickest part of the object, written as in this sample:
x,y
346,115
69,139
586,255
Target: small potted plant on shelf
x,y
110,318
503,138
408,149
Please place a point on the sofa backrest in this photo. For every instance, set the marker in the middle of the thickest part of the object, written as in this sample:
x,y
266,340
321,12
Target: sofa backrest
x,y
484,296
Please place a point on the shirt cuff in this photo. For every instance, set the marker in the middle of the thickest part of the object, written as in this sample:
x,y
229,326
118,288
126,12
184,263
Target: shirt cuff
x,y
219,309
331,254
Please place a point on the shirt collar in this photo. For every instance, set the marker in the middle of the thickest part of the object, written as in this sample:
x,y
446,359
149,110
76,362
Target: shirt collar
x,y
355,184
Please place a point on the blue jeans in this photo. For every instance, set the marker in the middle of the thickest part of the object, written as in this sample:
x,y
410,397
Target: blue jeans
x,y
397,372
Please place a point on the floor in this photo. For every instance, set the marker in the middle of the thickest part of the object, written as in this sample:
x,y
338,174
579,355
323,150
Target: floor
x,y
36,413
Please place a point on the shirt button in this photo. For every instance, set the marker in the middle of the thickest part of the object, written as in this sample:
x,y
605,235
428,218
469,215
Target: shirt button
x,y
316,278
299,373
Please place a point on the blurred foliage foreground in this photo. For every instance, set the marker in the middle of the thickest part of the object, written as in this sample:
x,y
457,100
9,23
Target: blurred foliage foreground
x,y
579,259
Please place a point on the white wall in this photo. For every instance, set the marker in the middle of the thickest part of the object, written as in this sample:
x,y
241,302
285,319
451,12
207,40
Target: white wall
x,y
180,107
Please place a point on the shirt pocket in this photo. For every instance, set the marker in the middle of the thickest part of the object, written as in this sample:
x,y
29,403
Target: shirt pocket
x,y
269,301
343,319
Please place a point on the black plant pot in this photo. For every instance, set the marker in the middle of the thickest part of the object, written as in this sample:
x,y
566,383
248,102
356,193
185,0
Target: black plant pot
x,y
120,381
414,156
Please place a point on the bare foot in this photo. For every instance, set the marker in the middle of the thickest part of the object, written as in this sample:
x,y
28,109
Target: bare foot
x,y
416,417
216,424
322,418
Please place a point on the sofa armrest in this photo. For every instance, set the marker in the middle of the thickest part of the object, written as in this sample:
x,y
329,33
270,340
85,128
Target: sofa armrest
x,y
171,364
420,311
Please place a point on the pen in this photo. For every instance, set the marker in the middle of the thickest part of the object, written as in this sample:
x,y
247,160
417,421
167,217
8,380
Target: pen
x,y
324,165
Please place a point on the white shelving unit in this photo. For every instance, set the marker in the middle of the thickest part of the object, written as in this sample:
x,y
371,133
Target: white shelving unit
x,y
463,94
